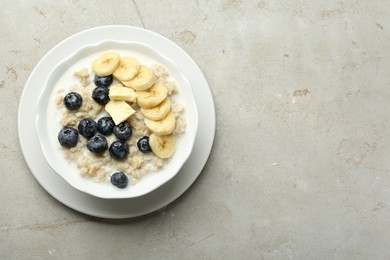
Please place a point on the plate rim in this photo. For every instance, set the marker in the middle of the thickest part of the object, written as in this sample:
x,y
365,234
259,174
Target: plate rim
x,y
211,123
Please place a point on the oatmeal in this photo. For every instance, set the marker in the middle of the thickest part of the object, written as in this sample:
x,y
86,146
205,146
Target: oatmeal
x,y
142,119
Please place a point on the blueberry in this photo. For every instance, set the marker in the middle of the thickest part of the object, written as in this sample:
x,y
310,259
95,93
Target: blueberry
x,y
119,150
68,137
73,100
105,125
123,131
97,144
119,179
143,145
87,127
104,81
100,95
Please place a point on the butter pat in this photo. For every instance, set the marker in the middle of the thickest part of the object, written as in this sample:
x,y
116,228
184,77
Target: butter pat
x,y
122,94
119,110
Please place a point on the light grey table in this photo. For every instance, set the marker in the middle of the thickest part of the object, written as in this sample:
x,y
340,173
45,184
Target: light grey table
x,y
300,164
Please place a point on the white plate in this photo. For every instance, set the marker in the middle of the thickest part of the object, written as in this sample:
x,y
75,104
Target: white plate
x,y
116,208
48,126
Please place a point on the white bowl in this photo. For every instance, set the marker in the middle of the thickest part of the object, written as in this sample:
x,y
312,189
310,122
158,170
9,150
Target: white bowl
x,y
48,117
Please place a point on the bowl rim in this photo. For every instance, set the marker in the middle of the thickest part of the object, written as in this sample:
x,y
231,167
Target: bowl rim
x,y
40,120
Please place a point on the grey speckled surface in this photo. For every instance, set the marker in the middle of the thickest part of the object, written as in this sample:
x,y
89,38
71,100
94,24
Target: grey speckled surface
x,y
299,167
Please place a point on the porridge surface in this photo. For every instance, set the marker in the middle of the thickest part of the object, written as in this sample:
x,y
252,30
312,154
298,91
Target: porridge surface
x,y
101,167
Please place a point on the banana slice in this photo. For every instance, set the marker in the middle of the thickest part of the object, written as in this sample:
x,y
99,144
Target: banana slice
x,y
127,69
122,93
158,112
106,64
119,110
162,146
152,97
142,81
164,126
